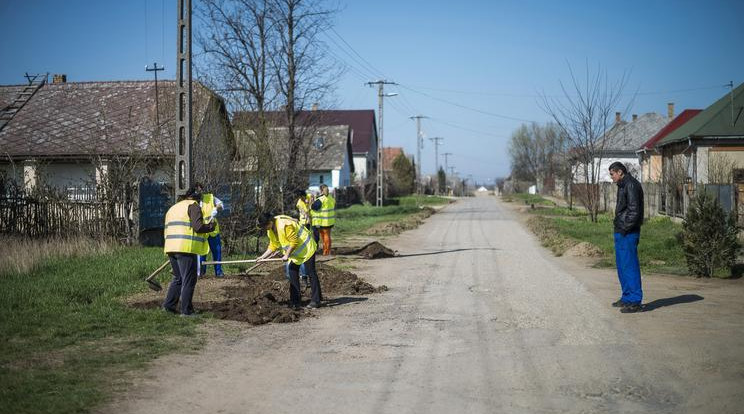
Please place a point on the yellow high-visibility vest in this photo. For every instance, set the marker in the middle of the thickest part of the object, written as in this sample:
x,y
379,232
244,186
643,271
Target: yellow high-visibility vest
x,y
326,216
207,206
289,233
179,235
304,211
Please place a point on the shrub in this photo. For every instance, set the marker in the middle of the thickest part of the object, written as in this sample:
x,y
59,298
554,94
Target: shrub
x,y
709,236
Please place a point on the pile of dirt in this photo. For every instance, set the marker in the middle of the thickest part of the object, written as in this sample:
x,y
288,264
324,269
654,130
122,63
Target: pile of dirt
x,y
584,249
263,298
373,250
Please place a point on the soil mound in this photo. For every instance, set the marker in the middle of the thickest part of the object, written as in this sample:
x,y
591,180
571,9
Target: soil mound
x,y
260,299
584,249
373,250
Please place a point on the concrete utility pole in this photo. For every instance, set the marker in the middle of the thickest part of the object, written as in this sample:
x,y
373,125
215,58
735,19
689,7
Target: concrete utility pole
x,y
446,154
183,99
419,145
380,95
156,69
437,143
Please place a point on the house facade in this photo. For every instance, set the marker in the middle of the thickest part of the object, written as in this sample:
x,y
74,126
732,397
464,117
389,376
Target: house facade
x,y
69,136
706,150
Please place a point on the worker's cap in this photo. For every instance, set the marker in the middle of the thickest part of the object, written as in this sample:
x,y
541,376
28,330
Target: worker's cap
x,y
300,193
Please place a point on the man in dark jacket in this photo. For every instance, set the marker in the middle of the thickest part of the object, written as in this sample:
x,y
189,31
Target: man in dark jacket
x,y
627,229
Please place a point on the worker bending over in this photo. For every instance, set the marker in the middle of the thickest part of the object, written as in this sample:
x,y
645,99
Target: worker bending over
x,y
324,217
299,248
185,240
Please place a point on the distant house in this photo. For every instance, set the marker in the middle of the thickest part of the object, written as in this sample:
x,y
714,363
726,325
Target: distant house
x,y
707,149
650,156
328,158
70,135
361,124
389,154
622,141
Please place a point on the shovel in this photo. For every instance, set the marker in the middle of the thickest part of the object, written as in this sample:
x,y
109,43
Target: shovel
x,y
151,282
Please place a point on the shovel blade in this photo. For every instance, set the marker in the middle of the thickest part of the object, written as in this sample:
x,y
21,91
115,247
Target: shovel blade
x,y
154,285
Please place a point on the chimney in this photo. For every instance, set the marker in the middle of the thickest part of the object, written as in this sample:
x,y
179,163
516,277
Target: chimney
x,y
670,110
617,117
635,116
315,106
59,78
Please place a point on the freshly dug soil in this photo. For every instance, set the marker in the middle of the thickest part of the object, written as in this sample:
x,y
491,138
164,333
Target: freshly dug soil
x,y
373,250
261,298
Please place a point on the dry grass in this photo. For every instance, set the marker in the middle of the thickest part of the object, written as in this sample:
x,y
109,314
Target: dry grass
x,y
21,255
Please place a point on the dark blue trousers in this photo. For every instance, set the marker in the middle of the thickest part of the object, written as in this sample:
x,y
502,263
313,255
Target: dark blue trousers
x,y
294,282
628,267
215,246
183,283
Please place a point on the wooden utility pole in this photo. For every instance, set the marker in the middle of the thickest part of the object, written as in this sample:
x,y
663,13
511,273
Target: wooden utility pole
x,y
156,69
183,99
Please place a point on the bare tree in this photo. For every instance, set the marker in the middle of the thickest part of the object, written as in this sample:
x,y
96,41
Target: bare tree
x,y
535,153
584,115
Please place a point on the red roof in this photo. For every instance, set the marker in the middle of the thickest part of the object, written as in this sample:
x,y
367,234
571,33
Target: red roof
x,y
677,122
388,156
360,121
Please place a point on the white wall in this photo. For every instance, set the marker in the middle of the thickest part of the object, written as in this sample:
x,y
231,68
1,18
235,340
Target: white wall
x,y
360,166
632,164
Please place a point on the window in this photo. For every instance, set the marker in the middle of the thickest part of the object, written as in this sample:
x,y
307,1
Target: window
x,y
321,179
318,142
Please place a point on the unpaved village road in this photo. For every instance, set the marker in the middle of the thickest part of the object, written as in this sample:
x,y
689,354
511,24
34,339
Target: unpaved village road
x,y
478,319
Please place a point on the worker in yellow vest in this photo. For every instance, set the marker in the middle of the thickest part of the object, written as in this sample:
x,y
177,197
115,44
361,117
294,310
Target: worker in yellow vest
x,y
304,218
185,240
324,217
299,248
210,206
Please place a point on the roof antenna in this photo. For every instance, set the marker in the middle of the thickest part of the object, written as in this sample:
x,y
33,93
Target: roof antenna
x,y
731,93
156,69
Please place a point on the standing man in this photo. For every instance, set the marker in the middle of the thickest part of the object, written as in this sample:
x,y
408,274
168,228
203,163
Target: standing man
x,y
299,248
627,233
185,240
324,217
210,206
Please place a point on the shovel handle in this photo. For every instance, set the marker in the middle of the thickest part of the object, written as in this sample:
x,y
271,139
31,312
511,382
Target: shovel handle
x,y
240,261
158,270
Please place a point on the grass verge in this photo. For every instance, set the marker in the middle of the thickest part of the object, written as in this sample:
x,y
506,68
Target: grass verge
x,y
68,340
560,229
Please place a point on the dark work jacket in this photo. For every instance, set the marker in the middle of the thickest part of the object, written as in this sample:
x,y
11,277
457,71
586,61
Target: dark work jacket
x,y
629,207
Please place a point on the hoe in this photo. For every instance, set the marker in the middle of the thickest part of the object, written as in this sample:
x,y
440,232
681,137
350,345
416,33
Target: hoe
x,y
155,285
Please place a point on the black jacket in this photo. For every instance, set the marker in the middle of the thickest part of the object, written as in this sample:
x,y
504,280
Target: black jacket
x,y
629,207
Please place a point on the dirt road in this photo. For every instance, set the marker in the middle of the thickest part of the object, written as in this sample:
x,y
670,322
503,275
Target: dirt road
x,y
478,319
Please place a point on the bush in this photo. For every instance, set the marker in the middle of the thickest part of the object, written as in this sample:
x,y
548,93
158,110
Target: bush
x,y
709,236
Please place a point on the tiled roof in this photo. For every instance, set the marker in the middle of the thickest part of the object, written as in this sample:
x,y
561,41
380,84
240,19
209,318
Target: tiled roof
x,y
326,148
361,122
715,121
629,136
87,118
388,156
677,122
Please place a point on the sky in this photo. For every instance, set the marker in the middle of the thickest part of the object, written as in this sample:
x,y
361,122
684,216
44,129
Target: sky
x,y
475,69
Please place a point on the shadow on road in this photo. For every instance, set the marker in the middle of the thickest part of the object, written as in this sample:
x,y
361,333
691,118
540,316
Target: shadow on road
x,y
445,251
344,300
660,303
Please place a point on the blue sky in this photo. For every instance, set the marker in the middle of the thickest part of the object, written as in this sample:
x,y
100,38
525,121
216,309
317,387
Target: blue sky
x,y
492,57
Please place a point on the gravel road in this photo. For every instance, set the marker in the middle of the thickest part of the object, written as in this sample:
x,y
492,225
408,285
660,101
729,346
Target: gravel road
x,y
478,319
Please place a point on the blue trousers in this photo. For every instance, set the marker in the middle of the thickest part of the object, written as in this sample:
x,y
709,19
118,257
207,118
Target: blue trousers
x,y
628,267
215,246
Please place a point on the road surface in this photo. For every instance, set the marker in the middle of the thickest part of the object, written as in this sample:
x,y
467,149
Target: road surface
x,y
478,319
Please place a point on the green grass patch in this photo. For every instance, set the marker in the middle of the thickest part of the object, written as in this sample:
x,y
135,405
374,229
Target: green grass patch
x,y
423,200
559,211
68,339
524,198
659,250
